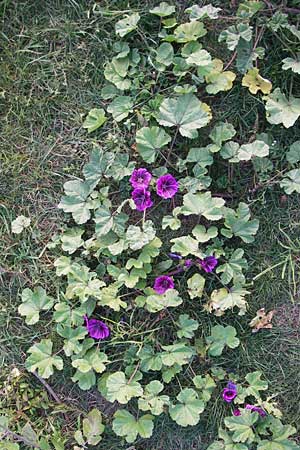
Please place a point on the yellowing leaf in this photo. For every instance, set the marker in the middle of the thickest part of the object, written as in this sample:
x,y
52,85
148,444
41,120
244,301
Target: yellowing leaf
x,y
217,80
255,82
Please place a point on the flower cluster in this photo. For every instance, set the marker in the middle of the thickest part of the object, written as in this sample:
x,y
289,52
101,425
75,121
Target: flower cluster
x,y
166,187
230,392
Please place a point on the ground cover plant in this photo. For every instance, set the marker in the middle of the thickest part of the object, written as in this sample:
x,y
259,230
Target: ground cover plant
x,y
148,310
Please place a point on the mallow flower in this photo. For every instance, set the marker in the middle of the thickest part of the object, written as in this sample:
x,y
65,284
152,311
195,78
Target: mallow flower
x,y
163,283
141,198
230,392
166,186
260,411
96,328
140,178
208,263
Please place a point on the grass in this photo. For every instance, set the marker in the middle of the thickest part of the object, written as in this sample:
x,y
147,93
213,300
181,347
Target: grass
x,y
51,70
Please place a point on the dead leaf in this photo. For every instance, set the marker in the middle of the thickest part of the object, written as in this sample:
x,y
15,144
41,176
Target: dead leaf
x,y
262,320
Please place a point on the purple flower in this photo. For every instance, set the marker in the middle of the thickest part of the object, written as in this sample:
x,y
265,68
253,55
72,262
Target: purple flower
x,y
166,186
140,178
96,328
188,263
175,256
163,283
142,199
260,411
236,412
230,392
208,264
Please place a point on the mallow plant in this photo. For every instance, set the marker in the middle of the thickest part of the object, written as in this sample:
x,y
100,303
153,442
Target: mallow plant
x,y
152,251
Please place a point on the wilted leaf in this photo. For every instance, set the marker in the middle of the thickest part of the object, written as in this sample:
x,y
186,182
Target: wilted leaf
x,y
217,80
262,320
223,299
196,285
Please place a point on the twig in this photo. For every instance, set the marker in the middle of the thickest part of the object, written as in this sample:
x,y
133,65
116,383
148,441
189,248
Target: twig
x,y
231,60
49,388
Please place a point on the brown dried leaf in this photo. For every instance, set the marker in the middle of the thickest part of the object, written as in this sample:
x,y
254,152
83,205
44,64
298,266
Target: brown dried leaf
x,y
262,320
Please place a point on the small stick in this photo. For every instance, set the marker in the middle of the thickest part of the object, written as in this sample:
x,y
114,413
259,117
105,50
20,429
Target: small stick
x,y
49,388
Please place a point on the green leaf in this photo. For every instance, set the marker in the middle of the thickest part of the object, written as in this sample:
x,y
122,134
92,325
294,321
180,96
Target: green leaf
x,y
158,302
120,389
257,148
190,31
280,109
223,299
151,401
256,384
85,380
33,302
203,205
187,326
71,240
111,74
196,285
92,360
204,235
163,10
149,359
242,426
125,424
234,33
149,141
137,237
233,268
185,245
120,107
279,439
97,166
222,132
199,58
292,182
208,11
293,155
187,411
83,284
18,224
41,359
178,353
165,54
94,120
92,427
186,113
128,24
170,222
201,155
291,63
74,201
239,224
206,385
220,337
168,373
104,221
72,337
